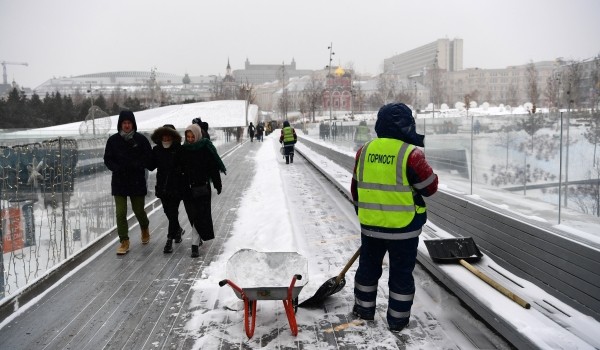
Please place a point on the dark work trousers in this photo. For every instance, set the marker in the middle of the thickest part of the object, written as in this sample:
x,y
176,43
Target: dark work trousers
x,y
288,151
402,256
171,209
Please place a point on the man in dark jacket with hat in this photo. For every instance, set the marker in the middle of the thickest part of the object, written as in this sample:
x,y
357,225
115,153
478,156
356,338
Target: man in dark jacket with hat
x,y
391,176
127,155
168,179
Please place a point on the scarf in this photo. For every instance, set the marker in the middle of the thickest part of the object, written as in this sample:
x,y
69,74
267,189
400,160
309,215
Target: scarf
x,y
213,151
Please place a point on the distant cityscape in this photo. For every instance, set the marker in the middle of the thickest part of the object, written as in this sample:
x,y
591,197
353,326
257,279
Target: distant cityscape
x,y
426,77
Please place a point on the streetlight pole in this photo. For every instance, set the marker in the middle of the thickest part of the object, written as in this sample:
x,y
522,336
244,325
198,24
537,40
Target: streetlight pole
x,y
92,108
331,53
246,87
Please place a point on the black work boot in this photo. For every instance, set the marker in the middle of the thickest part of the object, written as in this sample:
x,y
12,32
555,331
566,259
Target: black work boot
x,y
291,158
168,246
195,252
287,159
178,238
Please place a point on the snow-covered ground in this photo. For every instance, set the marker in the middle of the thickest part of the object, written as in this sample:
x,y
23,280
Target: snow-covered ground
x,y
279,213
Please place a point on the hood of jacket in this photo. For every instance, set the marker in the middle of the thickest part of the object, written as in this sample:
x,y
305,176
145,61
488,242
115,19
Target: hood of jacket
x,y
157,135
126,115
395,121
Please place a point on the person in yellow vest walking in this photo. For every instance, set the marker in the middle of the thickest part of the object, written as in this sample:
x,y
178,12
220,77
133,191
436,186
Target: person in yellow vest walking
x,y
391,177
288,138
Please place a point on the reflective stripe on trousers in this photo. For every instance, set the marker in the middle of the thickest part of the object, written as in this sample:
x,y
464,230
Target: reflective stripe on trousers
x,y
402,256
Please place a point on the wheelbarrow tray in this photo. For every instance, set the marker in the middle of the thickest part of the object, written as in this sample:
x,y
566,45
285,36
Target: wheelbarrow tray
x,y
267,275
451,250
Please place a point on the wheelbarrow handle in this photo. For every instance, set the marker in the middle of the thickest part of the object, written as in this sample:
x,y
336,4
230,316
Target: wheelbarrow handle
x,y
517,299
347,267
234,286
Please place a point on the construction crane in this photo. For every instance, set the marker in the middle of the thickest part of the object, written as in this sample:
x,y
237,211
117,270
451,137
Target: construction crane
x,y
4,63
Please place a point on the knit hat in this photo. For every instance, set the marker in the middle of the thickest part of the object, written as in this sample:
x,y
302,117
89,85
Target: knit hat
x,y
195,129
395,121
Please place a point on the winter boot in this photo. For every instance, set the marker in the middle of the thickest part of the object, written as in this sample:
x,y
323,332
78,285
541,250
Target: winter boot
x,y
145,235
195,252
178,238
123,248
287,159
168,246
292,158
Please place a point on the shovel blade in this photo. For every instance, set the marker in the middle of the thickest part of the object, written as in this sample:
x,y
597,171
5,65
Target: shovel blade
x,y
452,250
331,286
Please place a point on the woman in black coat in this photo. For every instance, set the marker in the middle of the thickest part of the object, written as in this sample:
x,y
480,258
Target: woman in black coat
x,y
200,165
168,179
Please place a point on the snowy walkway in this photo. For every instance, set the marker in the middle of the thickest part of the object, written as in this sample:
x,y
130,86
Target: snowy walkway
x,y
148,300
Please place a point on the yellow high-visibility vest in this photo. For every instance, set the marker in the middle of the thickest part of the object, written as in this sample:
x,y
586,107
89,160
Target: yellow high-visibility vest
x,y
385,198
288,134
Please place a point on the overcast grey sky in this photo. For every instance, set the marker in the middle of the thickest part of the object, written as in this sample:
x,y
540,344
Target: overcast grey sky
x,y
73,37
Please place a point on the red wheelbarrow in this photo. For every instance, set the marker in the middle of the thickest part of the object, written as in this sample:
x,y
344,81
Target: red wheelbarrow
x,y
266,276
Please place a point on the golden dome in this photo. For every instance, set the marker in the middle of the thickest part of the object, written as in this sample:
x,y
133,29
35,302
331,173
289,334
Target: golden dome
x,y
339,71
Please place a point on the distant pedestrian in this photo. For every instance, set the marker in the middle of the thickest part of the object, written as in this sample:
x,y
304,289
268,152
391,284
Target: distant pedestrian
x,y
200,165
251,130
168,179
288,138
391,176
260,129
361,134
128,155
203,126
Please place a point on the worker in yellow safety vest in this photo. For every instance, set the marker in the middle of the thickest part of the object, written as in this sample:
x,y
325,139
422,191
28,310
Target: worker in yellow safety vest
x,y
391,177
288,139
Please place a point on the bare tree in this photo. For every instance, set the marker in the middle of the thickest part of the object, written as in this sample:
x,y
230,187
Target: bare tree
x,y
572,83
512,94
359,99
552,90
531,74
595,80
217,90
386,88
313,92
435,81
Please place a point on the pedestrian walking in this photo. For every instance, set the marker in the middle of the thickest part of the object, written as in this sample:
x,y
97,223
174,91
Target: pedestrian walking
x,y
203,126
200,165
260,129
251,130
391,176
288,138
168,179
127,155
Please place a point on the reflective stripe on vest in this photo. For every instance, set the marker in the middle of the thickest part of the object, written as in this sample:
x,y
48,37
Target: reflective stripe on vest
x,y
385,198
288,134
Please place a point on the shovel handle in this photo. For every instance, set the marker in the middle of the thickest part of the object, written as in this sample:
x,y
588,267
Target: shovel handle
x,y
517,299
347,267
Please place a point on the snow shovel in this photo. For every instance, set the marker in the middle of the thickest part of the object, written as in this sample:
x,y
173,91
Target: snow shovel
x,y
331,286
465,251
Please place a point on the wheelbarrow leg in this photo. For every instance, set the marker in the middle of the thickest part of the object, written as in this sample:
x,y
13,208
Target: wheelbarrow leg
x,y
288,305
249,308
249,313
